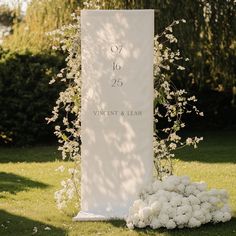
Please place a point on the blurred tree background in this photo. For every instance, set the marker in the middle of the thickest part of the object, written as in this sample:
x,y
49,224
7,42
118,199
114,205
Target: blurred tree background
x,y
27,61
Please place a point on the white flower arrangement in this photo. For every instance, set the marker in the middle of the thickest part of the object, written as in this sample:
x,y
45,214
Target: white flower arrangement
x,y
176,202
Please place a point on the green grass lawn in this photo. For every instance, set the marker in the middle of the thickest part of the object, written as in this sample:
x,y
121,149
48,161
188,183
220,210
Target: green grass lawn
x,y
28,181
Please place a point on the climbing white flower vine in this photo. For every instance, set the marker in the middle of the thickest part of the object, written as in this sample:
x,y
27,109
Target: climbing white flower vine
x,y
170,104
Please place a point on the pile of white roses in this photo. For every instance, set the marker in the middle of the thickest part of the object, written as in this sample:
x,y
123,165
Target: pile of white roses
x,y
176,202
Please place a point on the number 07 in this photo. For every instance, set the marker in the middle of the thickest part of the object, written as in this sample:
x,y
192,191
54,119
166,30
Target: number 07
x,y
116,48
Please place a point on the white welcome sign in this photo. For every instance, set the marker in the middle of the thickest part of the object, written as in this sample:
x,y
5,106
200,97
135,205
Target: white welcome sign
x,y
117,110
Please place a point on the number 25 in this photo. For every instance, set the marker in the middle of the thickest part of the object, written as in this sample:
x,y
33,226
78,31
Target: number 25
x,y
117,83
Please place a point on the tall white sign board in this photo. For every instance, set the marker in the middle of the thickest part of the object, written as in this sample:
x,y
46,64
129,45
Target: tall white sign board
x,y
117,110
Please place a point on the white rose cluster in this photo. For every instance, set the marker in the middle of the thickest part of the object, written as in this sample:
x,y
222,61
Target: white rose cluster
x,y
176,202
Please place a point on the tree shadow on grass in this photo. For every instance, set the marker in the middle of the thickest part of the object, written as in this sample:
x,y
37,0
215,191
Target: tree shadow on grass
x,y
220,229
14,225
29,154
12,183
217,147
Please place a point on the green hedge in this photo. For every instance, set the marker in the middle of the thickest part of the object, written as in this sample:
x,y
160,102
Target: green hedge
x,y
26,98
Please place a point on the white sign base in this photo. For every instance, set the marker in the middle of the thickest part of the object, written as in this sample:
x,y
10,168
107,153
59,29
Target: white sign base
x,y
85,216
117,110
